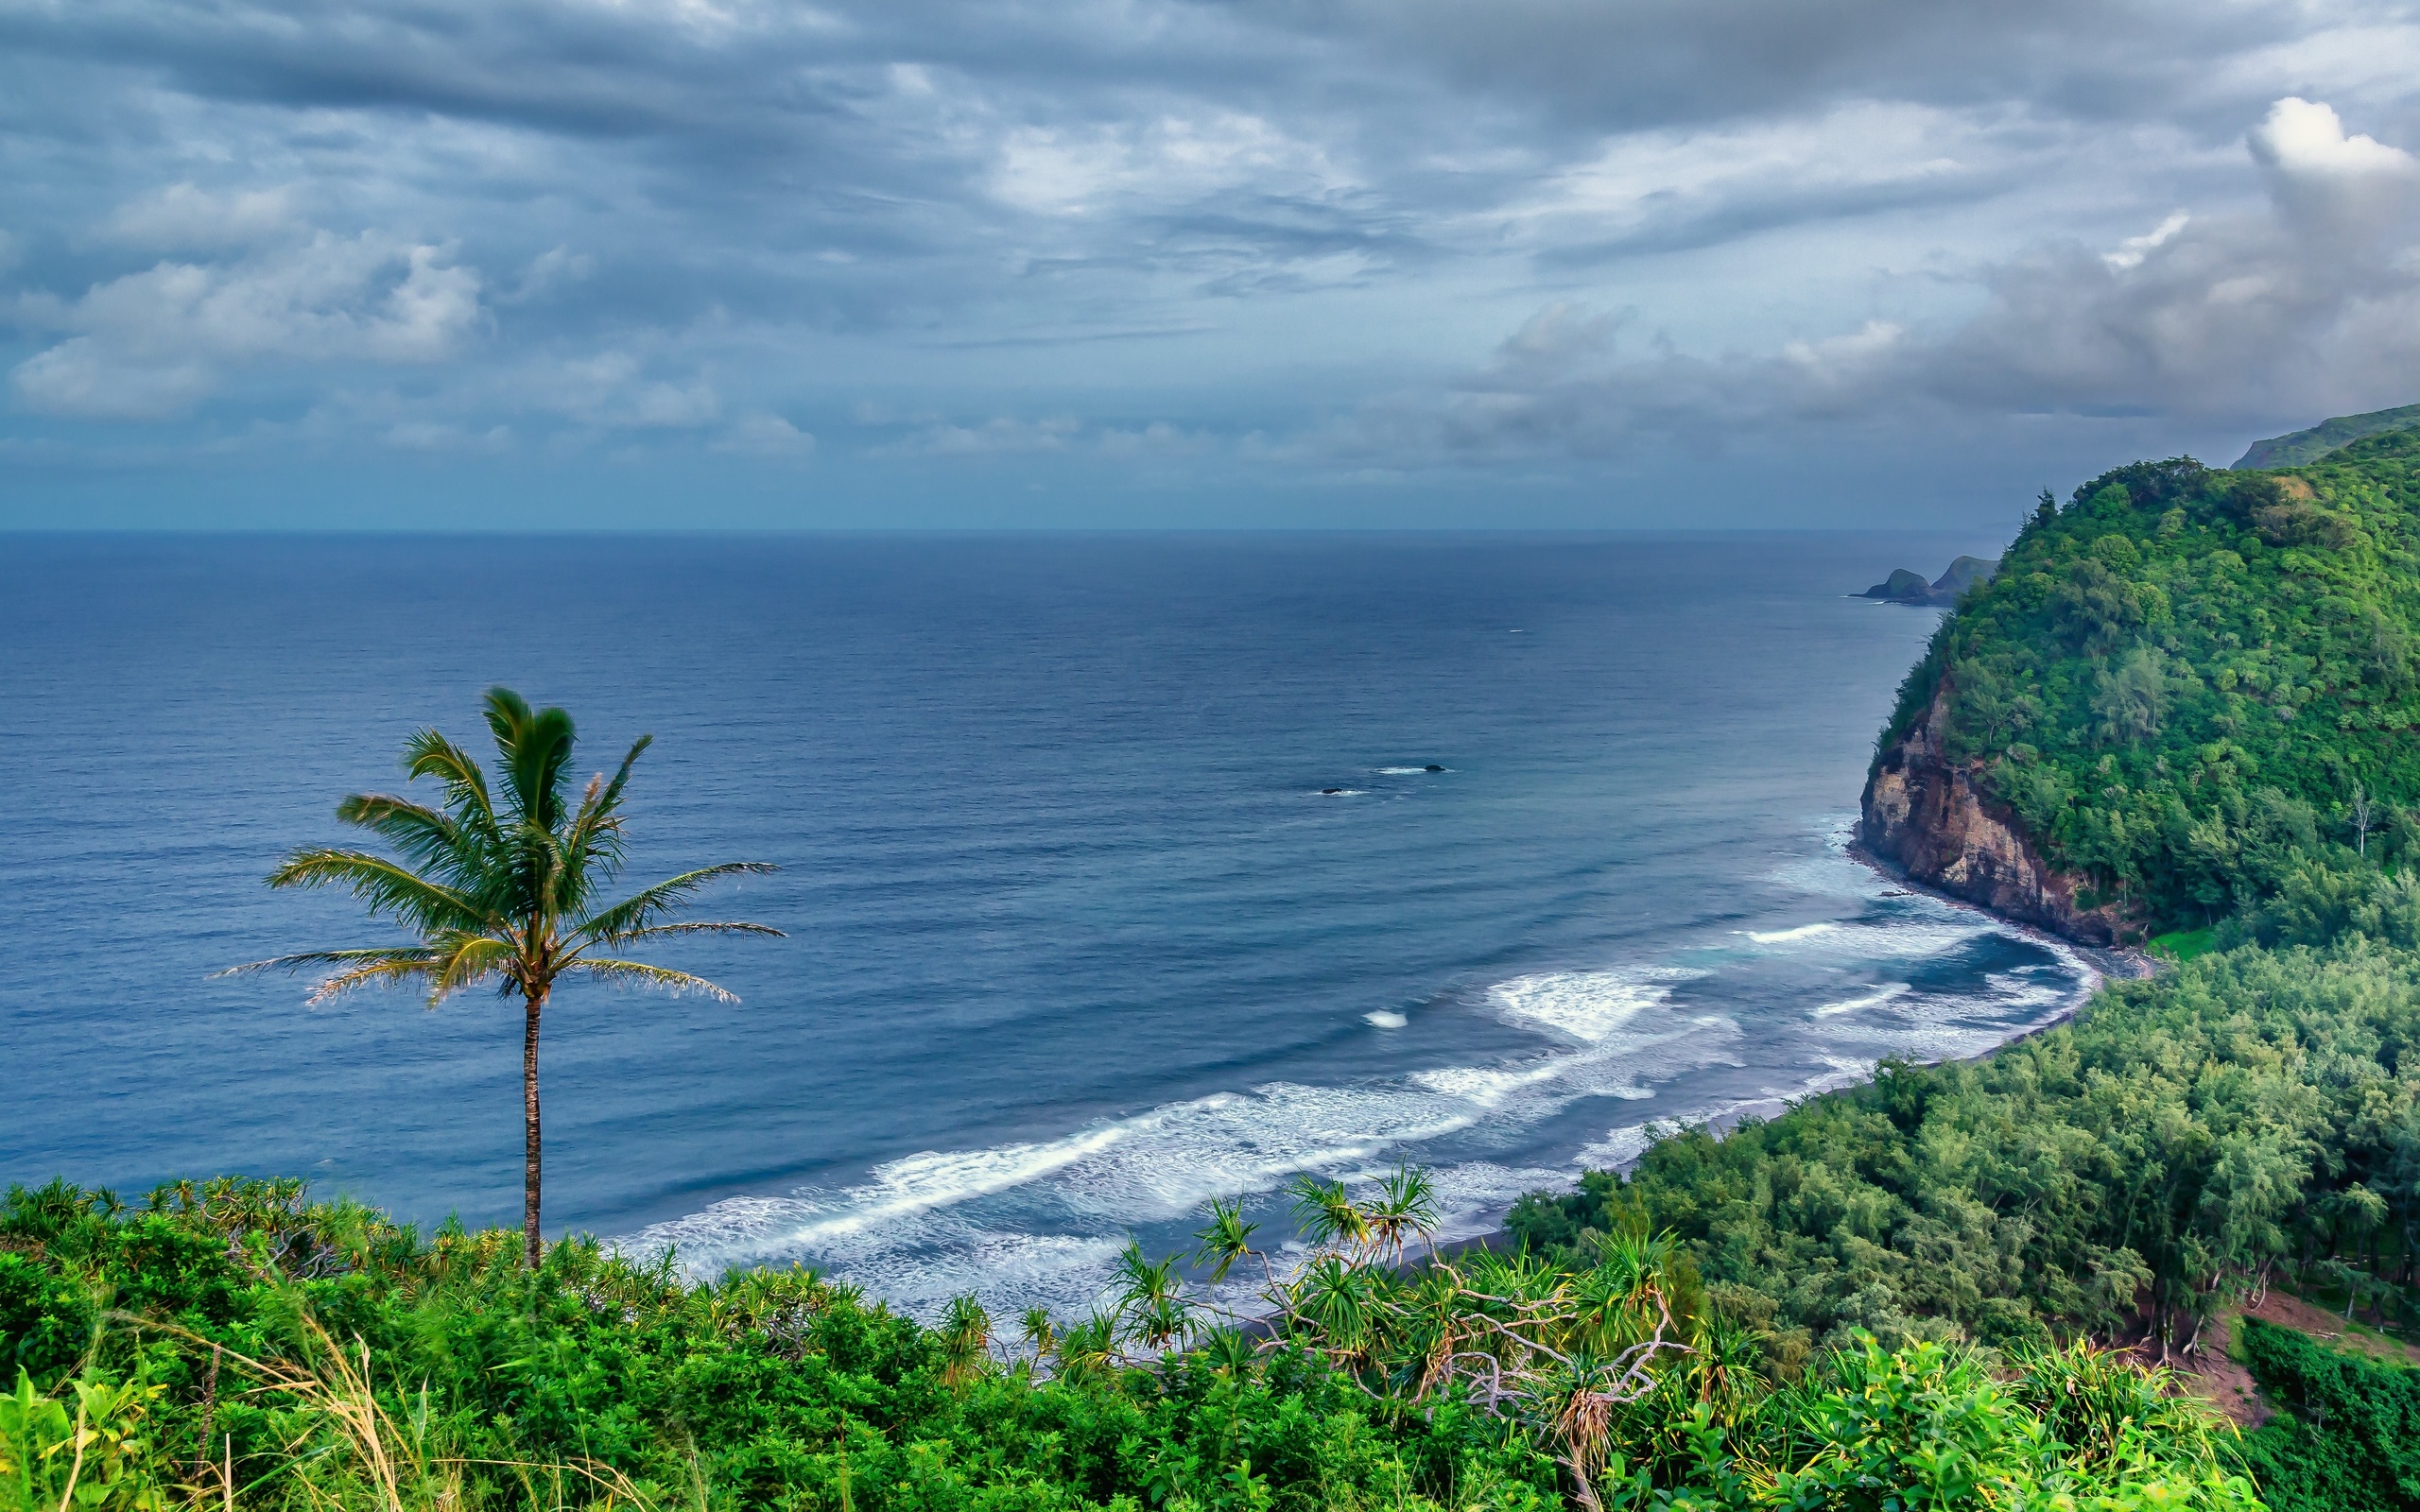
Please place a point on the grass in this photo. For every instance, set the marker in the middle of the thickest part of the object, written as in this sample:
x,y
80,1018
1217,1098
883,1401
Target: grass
x,y
2181,945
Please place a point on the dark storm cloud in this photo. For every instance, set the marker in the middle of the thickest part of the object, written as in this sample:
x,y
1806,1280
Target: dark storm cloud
x,y
1252,235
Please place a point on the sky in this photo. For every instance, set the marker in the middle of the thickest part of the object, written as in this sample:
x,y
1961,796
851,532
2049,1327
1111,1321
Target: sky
x,y
1132,264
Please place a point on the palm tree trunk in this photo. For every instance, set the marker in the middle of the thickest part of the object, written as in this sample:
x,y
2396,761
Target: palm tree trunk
x,y
529,1130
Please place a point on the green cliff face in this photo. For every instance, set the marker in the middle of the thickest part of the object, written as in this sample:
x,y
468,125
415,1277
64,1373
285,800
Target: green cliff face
x,y
2185,691
2325,437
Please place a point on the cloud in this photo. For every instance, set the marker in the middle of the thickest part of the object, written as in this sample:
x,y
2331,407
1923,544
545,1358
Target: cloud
x,y
182,216
615,391
2303,142
2314,300
554,267
2131,251
1170,228
1668,188
763,434
153,343
1001,436
1071,171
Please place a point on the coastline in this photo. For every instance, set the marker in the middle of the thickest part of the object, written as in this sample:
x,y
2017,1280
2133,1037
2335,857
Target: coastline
x,y
2102,964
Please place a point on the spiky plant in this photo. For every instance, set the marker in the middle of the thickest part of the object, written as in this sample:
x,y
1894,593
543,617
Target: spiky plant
x,y
503,888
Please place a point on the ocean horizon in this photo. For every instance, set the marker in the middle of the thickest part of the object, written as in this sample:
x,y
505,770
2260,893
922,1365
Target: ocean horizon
x,y
1120,871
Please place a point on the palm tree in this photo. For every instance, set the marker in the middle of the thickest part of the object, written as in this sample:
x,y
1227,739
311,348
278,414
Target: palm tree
x,y
502,893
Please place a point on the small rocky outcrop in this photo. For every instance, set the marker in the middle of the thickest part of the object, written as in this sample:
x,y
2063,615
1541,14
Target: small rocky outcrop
x,y
1924,815
1907,587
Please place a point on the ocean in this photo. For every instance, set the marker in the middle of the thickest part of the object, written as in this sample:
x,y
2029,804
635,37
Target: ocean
x,y
1118,872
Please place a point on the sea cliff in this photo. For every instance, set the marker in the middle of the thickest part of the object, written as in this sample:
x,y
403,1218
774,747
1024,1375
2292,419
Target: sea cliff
x,y
1924,814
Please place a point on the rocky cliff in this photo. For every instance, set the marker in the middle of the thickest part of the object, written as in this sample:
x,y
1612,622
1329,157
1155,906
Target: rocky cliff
x,y
1924,814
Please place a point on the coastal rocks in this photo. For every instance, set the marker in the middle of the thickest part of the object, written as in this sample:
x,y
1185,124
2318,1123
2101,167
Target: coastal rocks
x,y
1924,815
1905,587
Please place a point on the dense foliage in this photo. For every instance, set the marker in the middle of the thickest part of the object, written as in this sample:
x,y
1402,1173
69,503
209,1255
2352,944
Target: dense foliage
x,y
2195,688
232,1345
2248,1114
2347,1429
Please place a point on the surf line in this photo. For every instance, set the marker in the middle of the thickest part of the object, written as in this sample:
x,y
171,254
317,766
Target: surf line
x,y
2093,968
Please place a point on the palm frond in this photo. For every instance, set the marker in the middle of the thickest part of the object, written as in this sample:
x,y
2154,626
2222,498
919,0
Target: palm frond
x,y
643,909
386,886
466,960
660,979
426,836
593,845
698,927
539,876
295,963
536,750
403,968
428,753
378,965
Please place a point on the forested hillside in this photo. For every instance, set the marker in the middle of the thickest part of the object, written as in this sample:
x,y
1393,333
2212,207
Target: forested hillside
x,y
2253,1113
2198,690
2190,701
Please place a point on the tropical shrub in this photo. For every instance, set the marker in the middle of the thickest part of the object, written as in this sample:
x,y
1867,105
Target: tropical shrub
x,y
2347,1429
243,1344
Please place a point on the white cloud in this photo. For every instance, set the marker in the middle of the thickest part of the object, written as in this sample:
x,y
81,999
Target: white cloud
x,y
153,344
1665,183
2314,302
182,216
1171,160
83,379
1001,434
430,435
765,435
2131,251
2304,139
611,390
550,269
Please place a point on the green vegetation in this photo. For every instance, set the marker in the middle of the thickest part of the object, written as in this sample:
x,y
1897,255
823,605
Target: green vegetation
x,y
2249,1117
2325,437
2348,1432
503,895
2183,944
230,1343
2195,691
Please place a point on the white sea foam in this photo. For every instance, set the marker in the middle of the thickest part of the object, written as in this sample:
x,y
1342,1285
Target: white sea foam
x,y
2022,988
1874,999
1038,1221
1155,1166
1619,1149
1835,874
1488,1085
1587,1005
1406,771
1785,936
1907,938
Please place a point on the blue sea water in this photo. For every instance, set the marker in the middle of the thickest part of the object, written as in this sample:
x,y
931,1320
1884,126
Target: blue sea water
x,y
1116,873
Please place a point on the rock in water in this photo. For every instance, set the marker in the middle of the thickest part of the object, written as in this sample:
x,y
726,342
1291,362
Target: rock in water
x,y
1964,574
1904,587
